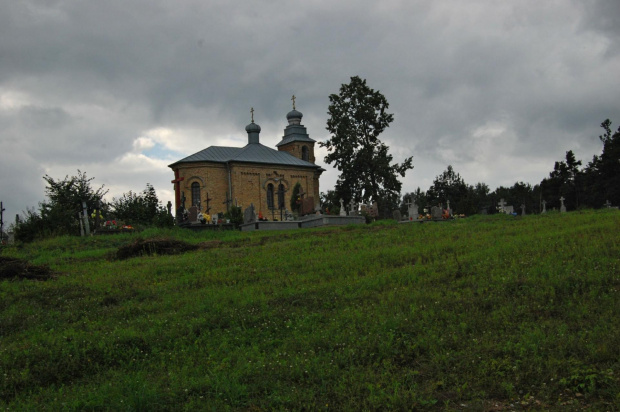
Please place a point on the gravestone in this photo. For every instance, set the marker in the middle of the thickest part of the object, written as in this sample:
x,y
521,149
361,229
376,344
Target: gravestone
x,y
307,206
436,213
448,208
169,206
412,210
249,216
374,210
363,208
193,214
544,209
522,209
343,211
562,207
352,208
607,204
509,210
396,215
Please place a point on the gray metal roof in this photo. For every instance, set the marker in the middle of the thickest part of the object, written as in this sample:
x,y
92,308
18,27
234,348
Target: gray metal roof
x,y
295,133
251,153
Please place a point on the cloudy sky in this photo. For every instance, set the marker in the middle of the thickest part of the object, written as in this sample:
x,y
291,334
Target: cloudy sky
x,y
119,89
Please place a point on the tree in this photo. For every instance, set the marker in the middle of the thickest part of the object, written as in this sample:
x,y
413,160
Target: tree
x,y
140,208
563,181
602,175
59,214
295,200
357,116
448,186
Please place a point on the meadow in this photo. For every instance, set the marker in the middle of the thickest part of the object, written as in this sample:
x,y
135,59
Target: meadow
x,y
483,313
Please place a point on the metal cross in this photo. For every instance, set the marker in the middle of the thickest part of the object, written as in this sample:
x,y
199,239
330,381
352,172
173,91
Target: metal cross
x,y
293,99
208,200
252,111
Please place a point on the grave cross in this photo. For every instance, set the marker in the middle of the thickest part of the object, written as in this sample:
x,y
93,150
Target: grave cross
x,y
2,209
544,209
562,207
208,200
177,189
608,204
227,202
501,204
352,208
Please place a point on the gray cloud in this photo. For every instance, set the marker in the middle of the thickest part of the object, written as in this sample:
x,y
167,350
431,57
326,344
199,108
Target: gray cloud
x,y
498,90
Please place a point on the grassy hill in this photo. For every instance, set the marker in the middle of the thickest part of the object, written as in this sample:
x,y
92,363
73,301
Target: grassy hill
x,y
484,313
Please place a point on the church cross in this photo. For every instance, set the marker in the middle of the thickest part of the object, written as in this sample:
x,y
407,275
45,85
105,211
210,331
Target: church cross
x,y
252,111
293,99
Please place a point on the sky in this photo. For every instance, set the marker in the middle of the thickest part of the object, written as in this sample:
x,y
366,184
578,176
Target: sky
x,y
120,89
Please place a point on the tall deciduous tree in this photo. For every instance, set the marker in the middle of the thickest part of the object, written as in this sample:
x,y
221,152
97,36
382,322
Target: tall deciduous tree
x,y
357,116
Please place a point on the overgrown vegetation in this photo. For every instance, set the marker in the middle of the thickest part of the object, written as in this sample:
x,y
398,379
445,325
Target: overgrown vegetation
x,y
480,313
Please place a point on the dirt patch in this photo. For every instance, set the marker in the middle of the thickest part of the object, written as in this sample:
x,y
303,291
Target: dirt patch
x,y
142,247
14,268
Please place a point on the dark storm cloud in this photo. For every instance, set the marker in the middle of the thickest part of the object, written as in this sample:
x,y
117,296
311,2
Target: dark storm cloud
x,y
500,90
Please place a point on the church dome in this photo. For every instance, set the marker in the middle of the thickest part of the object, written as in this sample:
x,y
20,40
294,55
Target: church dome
x,y
252,128
294,114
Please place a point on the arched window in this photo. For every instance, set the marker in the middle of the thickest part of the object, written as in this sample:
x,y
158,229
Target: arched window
x,y
195,194
270,196
304,153
280,196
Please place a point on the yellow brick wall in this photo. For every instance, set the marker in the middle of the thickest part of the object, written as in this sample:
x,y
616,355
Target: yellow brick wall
x,y
295,150
249,184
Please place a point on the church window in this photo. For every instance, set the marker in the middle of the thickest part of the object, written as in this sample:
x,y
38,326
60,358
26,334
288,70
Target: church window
x,y
270,196
195,194
280,196
304,153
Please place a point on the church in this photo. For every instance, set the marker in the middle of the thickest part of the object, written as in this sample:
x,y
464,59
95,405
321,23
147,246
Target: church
x,y
217,177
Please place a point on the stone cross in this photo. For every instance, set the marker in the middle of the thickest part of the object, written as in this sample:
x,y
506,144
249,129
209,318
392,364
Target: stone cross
x,y
352,208
448,208
501,204
608,204
562,207
523,209
544,203
343,212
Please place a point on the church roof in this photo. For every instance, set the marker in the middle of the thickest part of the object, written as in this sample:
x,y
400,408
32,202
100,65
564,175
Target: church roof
x,y
251,153
254,152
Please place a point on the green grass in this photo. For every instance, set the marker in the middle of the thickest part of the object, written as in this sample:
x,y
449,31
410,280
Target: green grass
x,y
487,312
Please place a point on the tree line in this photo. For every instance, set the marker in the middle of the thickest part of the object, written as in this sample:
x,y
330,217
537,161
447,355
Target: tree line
x,y
590,186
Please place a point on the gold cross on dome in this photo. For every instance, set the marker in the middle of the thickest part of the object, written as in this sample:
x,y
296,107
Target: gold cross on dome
x,y
252,111
293,99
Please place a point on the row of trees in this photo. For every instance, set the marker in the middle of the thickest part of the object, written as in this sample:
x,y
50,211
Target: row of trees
x,y
358,115
58,214
581,187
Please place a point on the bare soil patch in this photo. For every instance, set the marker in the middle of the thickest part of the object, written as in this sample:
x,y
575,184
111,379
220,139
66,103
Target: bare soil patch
x,y
142,247
14,268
